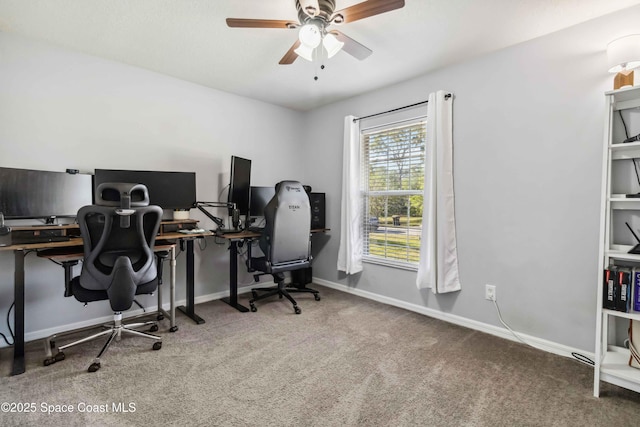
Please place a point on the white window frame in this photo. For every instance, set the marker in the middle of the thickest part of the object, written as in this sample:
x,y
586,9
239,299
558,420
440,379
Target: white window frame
x,y
366,193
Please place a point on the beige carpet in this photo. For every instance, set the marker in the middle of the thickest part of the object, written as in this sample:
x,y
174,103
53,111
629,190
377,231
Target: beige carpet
x,y
345,361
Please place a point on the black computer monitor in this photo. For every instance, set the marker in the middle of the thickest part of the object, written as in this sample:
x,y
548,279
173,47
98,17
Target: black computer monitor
x,y
260,196
239,184
36,194
169,190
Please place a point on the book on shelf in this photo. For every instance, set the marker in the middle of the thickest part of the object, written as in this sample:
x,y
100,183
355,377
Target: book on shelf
x,y
623,290
609,288
635,292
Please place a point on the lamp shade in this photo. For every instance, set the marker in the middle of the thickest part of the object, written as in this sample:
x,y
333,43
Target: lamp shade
x,y
331,44
624,53
310,35
305,51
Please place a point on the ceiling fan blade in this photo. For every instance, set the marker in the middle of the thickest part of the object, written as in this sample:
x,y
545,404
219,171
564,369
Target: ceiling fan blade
x,y
290,56
352,47
260,23
369,8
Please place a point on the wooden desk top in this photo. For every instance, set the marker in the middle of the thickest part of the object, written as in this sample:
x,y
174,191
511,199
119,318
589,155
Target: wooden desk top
x,y
246,234
77,241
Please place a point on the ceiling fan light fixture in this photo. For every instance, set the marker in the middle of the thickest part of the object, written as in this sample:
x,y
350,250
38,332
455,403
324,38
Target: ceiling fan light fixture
x,y
310,7
310,36
331,44
305,52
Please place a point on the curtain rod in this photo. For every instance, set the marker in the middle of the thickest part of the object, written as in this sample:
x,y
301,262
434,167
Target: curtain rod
x,y
446,96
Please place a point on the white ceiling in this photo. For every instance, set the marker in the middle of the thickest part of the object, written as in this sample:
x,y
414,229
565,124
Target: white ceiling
x,y
190,40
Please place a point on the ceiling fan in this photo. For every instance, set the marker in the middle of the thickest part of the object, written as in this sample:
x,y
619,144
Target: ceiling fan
x,y
315,16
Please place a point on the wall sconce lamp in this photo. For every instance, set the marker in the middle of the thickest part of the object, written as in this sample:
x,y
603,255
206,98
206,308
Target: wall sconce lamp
x,y
624,56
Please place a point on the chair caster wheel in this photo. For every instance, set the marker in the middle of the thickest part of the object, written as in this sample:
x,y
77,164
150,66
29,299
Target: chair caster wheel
x,y
160,317
173,329
59,357
94,367
280,296
317,297
154,328
253,308
157,345
48,361
297,309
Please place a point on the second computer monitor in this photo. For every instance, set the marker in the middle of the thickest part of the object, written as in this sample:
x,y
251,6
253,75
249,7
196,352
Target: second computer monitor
x,y
239,184
169,190
260,196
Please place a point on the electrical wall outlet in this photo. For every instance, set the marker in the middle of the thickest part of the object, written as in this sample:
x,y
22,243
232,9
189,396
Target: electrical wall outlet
x,y
490,292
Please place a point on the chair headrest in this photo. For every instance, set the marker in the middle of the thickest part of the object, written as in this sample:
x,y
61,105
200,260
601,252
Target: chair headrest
x,y
122,194
289,186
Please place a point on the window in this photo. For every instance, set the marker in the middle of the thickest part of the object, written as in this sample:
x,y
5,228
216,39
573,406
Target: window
x,y
393,158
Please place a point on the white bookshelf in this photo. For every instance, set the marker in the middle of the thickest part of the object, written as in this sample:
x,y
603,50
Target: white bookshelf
x,y
612,361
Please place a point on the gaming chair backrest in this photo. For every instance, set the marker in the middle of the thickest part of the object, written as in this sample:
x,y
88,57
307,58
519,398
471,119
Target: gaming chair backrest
x,y
288,222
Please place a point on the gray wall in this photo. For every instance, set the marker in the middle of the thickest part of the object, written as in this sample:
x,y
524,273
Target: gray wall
x,y
60,109
528,132
527,136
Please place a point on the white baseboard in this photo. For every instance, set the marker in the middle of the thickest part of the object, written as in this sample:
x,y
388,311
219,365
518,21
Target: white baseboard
x,y
44,333
539,343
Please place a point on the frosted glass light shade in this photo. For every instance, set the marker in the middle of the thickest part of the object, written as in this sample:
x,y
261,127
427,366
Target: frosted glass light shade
x,y
623,54
331,44
305,52
310,36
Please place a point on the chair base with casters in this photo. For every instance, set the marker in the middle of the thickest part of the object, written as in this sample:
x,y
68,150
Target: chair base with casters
x,y
303,288
114,332
279,290
50,342
282,289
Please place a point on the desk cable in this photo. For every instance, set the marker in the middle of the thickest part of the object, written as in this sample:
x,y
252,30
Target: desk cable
x,y
579,357
9,327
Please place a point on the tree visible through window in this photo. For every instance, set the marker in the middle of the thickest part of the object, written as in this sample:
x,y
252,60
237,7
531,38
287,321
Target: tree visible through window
x,y
393,159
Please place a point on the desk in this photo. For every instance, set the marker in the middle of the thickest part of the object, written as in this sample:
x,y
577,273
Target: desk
x,y
188,309
21,250
70,257
234,238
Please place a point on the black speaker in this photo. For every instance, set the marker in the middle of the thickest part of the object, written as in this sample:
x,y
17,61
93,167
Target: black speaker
x,y
318,208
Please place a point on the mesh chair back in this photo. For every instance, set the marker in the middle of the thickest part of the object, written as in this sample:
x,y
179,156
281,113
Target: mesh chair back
x,y
118,258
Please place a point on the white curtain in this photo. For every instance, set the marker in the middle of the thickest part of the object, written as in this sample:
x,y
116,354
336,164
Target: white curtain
x,y
438,268
350,250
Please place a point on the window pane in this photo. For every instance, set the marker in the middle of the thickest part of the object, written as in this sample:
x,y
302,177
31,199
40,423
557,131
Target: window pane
x,y
393,167
393,178
395,158
394,227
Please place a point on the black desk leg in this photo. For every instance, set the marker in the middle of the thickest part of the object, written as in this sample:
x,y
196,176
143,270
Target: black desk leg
x,y
18,314
189,309
232,300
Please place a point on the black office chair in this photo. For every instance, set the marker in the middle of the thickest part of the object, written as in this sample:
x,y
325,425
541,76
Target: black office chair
x,y
285,241
118,235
